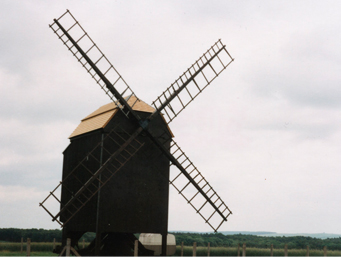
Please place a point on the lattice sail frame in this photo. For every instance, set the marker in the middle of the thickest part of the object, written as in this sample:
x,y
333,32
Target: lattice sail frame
x,y
79,37
176,98
99,177
193,81
191,194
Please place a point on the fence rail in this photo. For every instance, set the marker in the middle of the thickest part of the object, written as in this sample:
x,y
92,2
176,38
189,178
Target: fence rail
x,y
242,250
239,250
27,246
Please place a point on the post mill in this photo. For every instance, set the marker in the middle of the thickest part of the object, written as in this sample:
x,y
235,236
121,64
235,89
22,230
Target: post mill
x,y
116,170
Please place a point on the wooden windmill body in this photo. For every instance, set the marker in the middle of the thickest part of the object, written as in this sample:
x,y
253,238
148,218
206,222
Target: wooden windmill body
x,y
116,172
135,200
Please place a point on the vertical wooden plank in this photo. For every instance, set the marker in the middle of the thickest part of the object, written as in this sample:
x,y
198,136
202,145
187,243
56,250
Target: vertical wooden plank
x,y
244,249
28,248
182,249
54,244
208,249
307,250
83,243
325,251
68,247
22,245
195,249
238,250
136,248
272,250
285,250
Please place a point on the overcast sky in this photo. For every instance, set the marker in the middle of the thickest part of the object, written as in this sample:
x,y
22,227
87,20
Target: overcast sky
x,y
266,134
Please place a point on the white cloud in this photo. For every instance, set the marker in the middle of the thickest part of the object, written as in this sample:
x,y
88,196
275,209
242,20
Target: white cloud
x,y
20,209
15,194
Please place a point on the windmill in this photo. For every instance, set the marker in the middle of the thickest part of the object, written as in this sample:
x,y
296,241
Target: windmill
x,y
116,170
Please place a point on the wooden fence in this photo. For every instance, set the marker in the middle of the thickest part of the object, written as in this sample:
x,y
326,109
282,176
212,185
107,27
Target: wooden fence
x,y
243,252
67,249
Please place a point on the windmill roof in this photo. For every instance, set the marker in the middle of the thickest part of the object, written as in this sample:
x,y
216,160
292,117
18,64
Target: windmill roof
x,y
100,118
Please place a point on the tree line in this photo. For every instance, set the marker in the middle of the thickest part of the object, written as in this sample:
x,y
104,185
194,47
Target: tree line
x,y
293,242
36,235
202,239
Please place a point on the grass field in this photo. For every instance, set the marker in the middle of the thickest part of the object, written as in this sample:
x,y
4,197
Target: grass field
x,y
45,249
232,251
37,249
8,253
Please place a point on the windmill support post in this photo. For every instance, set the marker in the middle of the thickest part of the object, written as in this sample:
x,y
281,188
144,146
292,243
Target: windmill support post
x,y
136,248
68,249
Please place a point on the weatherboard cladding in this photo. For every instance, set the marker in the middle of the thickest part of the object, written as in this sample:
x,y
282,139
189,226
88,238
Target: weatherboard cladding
x,y
135,200
100,118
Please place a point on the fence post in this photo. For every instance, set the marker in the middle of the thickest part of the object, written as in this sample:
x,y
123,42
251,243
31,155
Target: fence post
x,y
28,248
307,250
68,247
208,249
83,243
136,248
285,250
22,245
325,251
272,250
244,249
54,244
182,248
238,254
194,249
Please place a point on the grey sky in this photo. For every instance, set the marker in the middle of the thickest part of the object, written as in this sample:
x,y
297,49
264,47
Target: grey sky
x,y
266,134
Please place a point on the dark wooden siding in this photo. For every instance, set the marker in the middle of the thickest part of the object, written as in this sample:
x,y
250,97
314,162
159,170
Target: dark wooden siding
x,y
136,198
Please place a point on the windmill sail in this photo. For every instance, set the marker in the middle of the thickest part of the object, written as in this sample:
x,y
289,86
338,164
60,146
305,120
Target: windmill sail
x,y
191,184
193,81
79,43
210,205
86,186
205,200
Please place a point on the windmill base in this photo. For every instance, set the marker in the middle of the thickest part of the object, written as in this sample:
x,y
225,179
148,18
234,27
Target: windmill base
x,y
112,244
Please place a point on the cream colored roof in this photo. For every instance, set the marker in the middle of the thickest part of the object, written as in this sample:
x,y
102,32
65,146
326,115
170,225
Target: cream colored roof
x,y
100,118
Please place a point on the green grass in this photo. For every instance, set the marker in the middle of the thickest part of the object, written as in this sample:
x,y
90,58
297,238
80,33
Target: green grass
x,y
232,251
37,249
9,253
45,249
